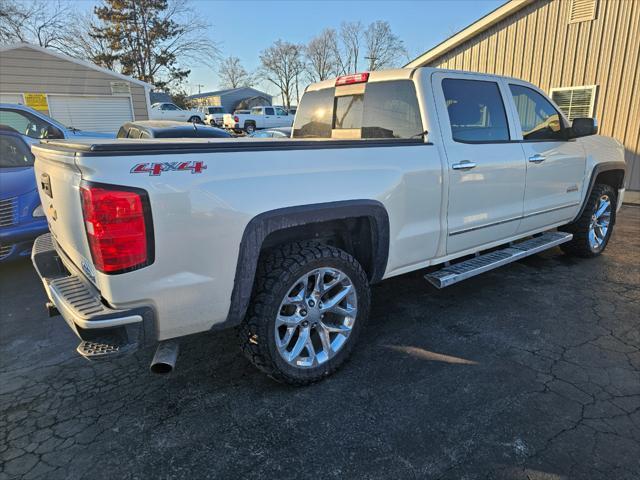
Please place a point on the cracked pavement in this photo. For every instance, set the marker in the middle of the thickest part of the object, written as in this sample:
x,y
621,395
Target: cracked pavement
x,y
531,371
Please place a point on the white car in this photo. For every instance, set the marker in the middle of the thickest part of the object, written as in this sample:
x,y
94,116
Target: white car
x,y
260,117
170,111
386,173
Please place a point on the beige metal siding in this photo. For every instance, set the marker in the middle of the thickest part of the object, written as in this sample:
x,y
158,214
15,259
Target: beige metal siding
x,y
540,44
23,70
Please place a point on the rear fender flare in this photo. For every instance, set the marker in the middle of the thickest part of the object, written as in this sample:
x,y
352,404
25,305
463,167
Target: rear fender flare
x,y
264,224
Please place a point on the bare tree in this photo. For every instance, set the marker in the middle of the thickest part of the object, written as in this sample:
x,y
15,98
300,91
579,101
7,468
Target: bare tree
x,y
320,54
282,64
233,74
40,22
348,55
384,48
78,42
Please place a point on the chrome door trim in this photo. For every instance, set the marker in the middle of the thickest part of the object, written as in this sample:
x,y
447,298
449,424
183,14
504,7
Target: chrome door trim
x,y
493,224
521,217
548,210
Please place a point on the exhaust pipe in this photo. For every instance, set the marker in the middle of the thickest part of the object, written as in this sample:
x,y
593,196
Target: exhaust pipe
x,y
164,361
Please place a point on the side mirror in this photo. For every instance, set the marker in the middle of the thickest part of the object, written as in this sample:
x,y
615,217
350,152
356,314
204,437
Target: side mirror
x,y
582,127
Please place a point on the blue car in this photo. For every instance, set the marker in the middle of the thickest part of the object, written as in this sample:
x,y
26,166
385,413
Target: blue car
x,y
34,125
21,216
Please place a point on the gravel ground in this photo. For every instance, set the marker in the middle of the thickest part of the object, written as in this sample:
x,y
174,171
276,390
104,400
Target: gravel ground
x,y
531,371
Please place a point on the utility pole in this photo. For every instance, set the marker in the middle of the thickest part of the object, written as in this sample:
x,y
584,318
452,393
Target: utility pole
x,y
372,61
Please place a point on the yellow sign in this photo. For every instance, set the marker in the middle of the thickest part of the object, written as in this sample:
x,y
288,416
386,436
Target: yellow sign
x,y
37,101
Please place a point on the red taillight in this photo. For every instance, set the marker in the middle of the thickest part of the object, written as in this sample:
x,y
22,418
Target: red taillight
x,y
354,78
236,119
117,228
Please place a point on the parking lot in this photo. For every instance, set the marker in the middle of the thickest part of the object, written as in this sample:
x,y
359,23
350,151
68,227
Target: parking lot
x,y
530,371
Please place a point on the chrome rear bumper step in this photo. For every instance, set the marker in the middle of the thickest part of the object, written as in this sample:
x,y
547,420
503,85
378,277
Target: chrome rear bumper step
x,y
105,332
483,263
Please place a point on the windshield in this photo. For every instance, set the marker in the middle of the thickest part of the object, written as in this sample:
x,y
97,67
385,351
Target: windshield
x,y
14,152
30,124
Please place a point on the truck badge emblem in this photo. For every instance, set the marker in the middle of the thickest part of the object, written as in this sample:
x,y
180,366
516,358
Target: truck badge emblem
x,y
155,169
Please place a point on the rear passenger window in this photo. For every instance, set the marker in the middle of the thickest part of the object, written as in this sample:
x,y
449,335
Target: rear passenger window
x,y
476,111
269,111
538,118
314,115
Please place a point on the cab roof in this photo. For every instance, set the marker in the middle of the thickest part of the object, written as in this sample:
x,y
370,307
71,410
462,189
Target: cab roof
x,y
404,74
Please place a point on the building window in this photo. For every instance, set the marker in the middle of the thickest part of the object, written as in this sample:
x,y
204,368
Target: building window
x,y
575,102
582,11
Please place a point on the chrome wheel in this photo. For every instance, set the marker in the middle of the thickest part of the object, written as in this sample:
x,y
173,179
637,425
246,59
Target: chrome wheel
x,y
599,225
316,317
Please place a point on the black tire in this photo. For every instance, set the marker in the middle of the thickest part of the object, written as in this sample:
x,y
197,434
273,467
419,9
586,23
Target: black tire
x,y
276,274
581,246
249,128
195,119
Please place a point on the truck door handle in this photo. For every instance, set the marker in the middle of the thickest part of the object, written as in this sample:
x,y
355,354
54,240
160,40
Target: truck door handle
x,y
464,165
537,158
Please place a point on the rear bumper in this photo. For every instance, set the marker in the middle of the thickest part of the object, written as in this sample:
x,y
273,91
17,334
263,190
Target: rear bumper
x,y
15,251
16,240
104,331
23,231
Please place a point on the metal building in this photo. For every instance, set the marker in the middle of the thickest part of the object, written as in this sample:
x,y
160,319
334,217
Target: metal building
x,y
231,98
584,53
78,94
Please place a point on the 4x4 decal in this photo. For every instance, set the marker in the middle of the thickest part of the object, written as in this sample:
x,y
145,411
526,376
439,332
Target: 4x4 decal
x,y
155,169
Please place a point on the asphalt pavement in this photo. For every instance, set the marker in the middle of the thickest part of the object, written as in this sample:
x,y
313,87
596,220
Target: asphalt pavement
x,y
531,371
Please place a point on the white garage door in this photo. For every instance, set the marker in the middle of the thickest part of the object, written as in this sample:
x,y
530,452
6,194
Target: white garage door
x,y
97,114
11,98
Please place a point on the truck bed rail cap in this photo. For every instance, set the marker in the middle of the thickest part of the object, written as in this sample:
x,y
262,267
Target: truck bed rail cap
x,y
141,147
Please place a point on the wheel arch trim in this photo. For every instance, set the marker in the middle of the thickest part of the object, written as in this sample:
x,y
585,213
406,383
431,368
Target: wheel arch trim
x,y
266,223
597,170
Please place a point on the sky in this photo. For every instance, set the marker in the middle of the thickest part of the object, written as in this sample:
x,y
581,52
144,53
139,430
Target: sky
x,y
243,28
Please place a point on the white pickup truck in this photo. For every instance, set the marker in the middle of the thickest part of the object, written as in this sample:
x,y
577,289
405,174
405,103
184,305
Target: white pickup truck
x,y
260,117
213,116
386,173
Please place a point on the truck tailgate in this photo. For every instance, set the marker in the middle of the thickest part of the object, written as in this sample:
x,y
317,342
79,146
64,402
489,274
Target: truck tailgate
x,y
58,179
228,120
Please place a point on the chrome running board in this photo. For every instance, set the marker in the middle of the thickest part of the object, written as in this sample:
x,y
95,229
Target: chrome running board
x,y
483,263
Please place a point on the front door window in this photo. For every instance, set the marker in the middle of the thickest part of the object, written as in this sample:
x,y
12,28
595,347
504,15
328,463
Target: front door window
x,y
539,119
